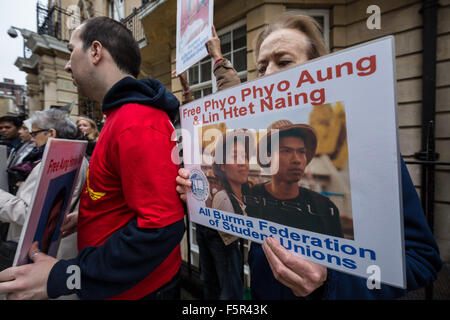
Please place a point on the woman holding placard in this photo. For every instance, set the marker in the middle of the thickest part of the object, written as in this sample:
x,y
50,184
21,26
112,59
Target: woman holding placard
x,y
277,273
52,123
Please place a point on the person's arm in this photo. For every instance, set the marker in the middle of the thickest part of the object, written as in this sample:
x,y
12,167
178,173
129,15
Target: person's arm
x,y
13,209
187,94
132,252
126,258
421,253
226,75
123,260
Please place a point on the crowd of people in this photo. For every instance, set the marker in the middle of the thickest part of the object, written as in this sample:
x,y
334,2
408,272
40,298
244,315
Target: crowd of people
x,y
126,238
26,140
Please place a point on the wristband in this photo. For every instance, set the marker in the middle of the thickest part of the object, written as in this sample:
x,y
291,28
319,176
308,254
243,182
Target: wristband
x,y
217,61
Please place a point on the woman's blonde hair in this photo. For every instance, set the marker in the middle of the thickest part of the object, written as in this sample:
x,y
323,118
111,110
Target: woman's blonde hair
x,y
303,23
95,133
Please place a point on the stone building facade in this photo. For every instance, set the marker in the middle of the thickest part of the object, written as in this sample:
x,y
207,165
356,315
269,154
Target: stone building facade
x,y
345,25
238,22
48,84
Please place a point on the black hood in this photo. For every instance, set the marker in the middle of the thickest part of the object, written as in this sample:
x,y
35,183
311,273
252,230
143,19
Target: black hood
x,y
149,92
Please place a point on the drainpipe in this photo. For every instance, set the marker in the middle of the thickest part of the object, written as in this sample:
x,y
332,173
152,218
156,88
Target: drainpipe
x,y
427,153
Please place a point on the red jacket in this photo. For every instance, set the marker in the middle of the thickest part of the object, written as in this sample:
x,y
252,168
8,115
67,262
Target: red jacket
x,y
130,219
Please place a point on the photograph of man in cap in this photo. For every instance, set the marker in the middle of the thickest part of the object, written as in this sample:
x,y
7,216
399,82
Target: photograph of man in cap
x,y
281,199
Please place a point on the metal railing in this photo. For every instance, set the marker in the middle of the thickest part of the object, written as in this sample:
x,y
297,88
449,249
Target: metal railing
x,y
53,21
134,24
428,160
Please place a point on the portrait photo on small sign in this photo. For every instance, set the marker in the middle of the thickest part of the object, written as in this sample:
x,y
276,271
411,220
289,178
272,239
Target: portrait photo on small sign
x,y
52,214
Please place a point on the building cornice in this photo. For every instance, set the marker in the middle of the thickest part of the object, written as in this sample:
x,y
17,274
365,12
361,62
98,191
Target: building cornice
x,y
149,7
28,64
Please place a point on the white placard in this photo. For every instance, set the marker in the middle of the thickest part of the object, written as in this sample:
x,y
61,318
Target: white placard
x,y
349,99
194,22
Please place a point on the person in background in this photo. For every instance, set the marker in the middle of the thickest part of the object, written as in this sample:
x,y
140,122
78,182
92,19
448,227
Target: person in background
x,y
24,148
90,132
130,219
51,123
23,158
276,273
9,132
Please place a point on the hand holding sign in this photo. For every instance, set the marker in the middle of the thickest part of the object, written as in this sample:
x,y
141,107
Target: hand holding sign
x,y
28,281
298,274
183,183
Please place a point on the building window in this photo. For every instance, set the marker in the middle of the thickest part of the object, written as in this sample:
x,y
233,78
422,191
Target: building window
x,y
233,42
322,16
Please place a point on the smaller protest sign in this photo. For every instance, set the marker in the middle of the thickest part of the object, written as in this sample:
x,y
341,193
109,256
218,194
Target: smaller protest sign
x,y
194,22
51,200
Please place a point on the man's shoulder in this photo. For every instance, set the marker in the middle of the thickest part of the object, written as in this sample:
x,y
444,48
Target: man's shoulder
x,y
137,115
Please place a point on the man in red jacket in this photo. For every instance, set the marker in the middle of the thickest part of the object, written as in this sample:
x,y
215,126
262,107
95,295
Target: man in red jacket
x,y
130,219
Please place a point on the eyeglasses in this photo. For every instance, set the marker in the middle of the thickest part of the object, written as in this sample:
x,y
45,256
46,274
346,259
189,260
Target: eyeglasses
x,y
34,133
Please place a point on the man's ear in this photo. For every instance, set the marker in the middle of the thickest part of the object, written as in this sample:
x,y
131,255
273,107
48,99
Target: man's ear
x,y
96,52
52,133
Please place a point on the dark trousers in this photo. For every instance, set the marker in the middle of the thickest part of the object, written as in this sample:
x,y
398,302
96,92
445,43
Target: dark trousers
x,y
169,291
220,266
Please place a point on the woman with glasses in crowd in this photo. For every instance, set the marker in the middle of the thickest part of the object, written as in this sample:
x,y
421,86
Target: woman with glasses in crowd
x,y
52,123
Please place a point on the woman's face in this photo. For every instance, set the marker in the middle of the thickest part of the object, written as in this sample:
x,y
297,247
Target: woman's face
x,y
84,126
39,137
236,168
282,49
24,133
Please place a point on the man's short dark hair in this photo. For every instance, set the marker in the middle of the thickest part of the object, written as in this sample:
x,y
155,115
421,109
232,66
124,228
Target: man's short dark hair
x,y
16,121
117,39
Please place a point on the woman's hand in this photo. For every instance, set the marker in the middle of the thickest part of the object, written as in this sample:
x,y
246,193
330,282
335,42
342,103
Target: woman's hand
x,y
183,183
213,46
298,274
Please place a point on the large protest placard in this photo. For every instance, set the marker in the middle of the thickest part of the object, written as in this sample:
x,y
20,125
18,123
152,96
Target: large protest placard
x,y
58,174
324,180
194,22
